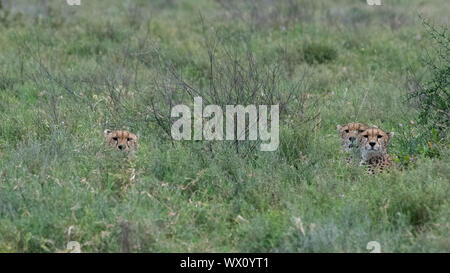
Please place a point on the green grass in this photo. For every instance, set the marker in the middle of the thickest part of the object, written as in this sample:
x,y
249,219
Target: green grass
x,y
68,73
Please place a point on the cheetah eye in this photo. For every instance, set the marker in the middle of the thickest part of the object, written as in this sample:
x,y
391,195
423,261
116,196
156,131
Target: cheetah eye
x,y
115,138
366,136
347,131
379,136
361,131
129,139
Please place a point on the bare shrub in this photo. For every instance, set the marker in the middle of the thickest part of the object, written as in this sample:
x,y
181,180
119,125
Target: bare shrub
x,y
235,75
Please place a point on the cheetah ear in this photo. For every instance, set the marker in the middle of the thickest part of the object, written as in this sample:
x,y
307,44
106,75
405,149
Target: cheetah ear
x,y
107,132
390,135
339,127
374,126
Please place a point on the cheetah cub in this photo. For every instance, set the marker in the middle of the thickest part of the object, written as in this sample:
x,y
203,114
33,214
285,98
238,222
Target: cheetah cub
x,y
349,134
122,140
349,139
372,144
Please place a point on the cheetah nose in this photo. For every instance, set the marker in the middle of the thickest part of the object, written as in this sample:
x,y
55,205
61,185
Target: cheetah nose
x,y
121,147
372,144
351,139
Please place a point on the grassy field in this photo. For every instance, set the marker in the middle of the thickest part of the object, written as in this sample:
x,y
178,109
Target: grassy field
x,y
69,72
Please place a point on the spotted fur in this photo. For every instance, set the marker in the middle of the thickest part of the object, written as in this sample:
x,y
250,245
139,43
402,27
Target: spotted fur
x,y
349,139
122,140
372,144
349,134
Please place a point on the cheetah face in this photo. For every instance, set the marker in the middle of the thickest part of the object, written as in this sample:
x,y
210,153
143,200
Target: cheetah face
x,y
373,142
122,140
349,134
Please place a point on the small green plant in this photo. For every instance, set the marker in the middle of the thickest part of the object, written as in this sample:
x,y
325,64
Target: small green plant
x,y
411,141
319,53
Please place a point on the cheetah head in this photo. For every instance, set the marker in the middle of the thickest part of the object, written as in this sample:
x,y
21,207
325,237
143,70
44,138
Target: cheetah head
x,y
122,140
373,142
349,134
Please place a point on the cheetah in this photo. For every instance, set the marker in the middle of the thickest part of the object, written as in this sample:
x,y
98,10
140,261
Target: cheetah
x,y
122,140
349,139
372,144
349,134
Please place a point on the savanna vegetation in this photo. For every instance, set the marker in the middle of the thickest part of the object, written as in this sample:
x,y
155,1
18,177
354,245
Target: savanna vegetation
x,y
67,73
